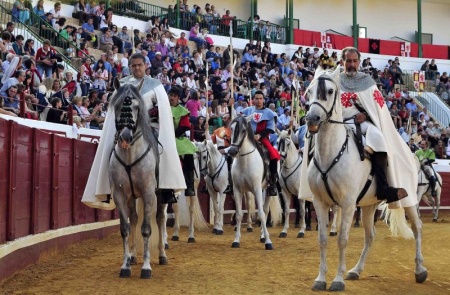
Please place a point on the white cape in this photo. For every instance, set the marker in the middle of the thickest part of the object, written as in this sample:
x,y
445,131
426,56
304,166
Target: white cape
x,y
170,172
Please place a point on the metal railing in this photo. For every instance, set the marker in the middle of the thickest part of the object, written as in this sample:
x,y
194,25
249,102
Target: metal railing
x,y
29,32
438,109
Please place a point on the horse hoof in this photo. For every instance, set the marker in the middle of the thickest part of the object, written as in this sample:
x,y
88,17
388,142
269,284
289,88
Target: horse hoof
x,y
352,276
166,246
146,273
283,235
191,240
262,240
219,232
356,224
297,225
333,234
249,229
434,219
214,231
236,245
175,238
421,277
269,246
162,260
133,260
337,286
125,273
319,286
300,235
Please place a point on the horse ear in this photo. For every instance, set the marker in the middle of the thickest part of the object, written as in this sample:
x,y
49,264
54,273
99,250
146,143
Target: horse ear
x,y
319,71
116,83
336,73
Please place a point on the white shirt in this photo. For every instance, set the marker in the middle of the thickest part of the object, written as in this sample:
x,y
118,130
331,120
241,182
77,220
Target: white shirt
x,y
124,62
55,15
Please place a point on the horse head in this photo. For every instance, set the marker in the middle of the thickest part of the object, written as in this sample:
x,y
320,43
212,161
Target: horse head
x,y
284,142
202,154
323,95
240,129
130,114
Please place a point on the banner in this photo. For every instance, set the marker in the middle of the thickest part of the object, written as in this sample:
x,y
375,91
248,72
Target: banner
x,y
374,46
405,49
326,40
419,80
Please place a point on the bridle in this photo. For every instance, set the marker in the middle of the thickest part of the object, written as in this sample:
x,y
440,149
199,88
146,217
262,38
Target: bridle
x,y
283,146
330,112
239,145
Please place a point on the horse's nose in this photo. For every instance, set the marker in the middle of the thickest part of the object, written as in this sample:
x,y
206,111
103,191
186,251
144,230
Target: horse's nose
x,y
126,135
233,151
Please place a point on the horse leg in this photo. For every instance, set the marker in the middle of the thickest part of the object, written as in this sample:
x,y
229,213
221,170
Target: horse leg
x,y
221,206
333,229
438,202
297,211
133,230
166,244
358,217
262,212
176,223
320,283
301,213
248,204
215,208
416,225
346,223
161,222
191,202
238,215
120,201
369,235
287,200
149,201
308,215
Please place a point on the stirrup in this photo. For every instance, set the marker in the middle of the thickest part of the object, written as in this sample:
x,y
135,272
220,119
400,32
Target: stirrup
x,y
168,196
228,190
272,191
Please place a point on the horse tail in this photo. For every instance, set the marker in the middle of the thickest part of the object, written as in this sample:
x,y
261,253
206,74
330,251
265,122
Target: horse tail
x,y
199,220
396,220
154,237
275,209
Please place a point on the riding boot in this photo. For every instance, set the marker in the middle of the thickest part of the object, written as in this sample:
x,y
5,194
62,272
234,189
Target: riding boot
x,y
229,189
272,187
384,191
432,181
188,171
168,196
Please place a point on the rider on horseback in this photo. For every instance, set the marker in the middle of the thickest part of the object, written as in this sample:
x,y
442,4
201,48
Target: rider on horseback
x,y
363,106
263,124
426,158
185,148
222,137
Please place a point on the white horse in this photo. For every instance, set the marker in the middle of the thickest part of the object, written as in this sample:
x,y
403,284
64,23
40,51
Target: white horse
x,y
133,179
289,179
331,180
424,193
247,172
214,167
187,211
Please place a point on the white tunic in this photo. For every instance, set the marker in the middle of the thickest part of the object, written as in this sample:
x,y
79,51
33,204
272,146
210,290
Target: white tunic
x,y
170,172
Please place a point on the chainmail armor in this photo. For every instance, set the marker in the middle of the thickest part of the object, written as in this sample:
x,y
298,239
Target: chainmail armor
x,y
359,82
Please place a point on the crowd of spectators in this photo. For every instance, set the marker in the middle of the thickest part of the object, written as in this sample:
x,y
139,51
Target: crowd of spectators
x,y
203,72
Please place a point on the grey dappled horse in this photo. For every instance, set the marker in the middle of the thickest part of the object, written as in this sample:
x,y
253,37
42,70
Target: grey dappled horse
x,y
132,169
345,174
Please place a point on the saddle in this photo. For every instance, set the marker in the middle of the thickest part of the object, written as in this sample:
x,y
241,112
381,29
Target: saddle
x,y
264,153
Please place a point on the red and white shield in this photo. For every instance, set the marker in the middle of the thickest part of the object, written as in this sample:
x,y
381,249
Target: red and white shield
x,y
257,117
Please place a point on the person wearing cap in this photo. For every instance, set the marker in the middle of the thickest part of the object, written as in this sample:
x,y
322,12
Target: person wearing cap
x,y
126,40
185,148
170,173
157,64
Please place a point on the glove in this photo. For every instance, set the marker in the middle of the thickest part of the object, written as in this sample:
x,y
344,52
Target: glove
x,y
360,118
153,112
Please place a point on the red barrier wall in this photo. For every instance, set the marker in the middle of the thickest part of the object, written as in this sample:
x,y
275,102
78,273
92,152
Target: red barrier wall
x,y
42,179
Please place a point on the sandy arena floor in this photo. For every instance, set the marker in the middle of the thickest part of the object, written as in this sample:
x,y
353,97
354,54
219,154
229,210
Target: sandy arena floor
x,y
211,266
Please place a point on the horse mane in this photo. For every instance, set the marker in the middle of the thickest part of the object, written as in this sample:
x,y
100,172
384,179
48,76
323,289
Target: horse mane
x,y
143,119
321,89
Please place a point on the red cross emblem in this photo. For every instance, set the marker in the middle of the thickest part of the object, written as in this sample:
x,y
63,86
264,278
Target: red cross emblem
x,y
257,117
